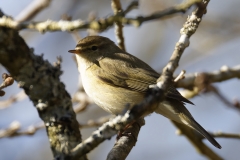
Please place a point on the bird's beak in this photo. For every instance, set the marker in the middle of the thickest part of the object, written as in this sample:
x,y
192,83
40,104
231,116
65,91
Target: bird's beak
x,y
74,51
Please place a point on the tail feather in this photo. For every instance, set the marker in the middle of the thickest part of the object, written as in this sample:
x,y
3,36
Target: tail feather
x,y
193,124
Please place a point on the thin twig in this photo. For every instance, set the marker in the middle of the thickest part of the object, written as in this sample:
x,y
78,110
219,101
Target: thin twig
x,y
117,9
225,73
225,135
133,5
180,76
7,81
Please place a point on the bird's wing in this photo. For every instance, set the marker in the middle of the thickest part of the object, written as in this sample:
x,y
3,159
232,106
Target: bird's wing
x,y
129,72
125,71
174,94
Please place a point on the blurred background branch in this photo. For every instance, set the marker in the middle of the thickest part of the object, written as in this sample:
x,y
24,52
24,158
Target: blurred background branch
x,y
32,10
14,128
99,25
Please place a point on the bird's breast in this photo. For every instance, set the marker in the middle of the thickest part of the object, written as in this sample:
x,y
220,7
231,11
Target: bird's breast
x,y
111,98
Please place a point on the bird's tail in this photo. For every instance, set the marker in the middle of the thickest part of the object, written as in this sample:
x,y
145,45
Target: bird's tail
x,y
193,124
177,112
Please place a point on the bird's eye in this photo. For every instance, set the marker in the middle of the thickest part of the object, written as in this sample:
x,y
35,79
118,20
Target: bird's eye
x,y
94,48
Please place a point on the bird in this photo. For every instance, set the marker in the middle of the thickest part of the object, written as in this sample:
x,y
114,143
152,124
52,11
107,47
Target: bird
x,y
114,78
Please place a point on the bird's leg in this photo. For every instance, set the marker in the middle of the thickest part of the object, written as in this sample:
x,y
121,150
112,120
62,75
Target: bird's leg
x,y
127,130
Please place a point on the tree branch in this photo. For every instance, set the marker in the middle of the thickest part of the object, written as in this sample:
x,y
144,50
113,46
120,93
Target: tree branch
x,y
99,25
40,81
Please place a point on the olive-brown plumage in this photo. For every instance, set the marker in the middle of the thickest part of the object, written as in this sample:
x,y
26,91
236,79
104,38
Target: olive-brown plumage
x,y
114,78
